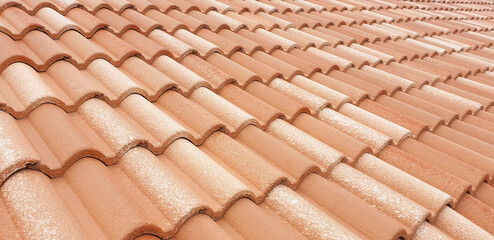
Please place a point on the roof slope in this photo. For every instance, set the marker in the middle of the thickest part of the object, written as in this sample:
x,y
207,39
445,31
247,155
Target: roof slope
x,y
232,119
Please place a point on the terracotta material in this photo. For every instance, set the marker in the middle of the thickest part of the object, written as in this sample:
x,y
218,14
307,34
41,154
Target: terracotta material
x,y
450,164
455,225
407,185
477,212
348,207
392,130
352,148
426,172
376,140
484,194
397,206
416,127
233,119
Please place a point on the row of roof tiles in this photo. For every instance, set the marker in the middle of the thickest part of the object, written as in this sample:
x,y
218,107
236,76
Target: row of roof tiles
x,y
356,148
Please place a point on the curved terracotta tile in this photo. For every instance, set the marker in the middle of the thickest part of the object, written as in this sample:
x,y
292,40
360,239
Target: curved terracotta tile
x,y
306,98
396,132
32,7
261,35
466,141
471,174
17,194
337,19
320,21
355,94
472,130
242,75
226,46
199,122
216,77
232,23
431,120
399,56
66,86
420,192
235,118
445,114
114,5
251,221
162,127
335,98
475,88
479,122
350,55
359,36
205,173
298,21
116,23
24,95
374,139
324,62
291,162
306,67
296,210
248,46
188,80
265,21
380,196
418,77
16,23
371,89
477,212
169,24
357,213
426,231
175,47
212,22
93,183
262,111
330,39
118,48
302,42
342,63
149,49
457,226
17,151
250,24
485,102
426,172
152,176
391,79
75,142
459,110
203,47
485,193
200,226
192,24
278,6
323,155
287,70
347,145
288,106
265,71
383,34
252,169
414,125
383,57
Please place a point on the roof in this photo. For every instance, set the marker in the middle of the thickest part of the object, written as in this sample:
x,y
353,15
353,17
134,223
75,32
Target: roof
x,y
202,119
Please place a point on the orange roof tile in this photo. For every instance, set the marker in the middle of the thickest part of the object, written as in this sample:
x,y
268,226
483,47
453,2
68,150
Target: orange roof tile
x,y
246,119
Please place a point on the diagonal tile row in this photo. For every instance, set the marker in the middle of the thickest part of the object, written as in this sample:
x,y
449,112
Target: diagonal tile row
x,y
438,166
